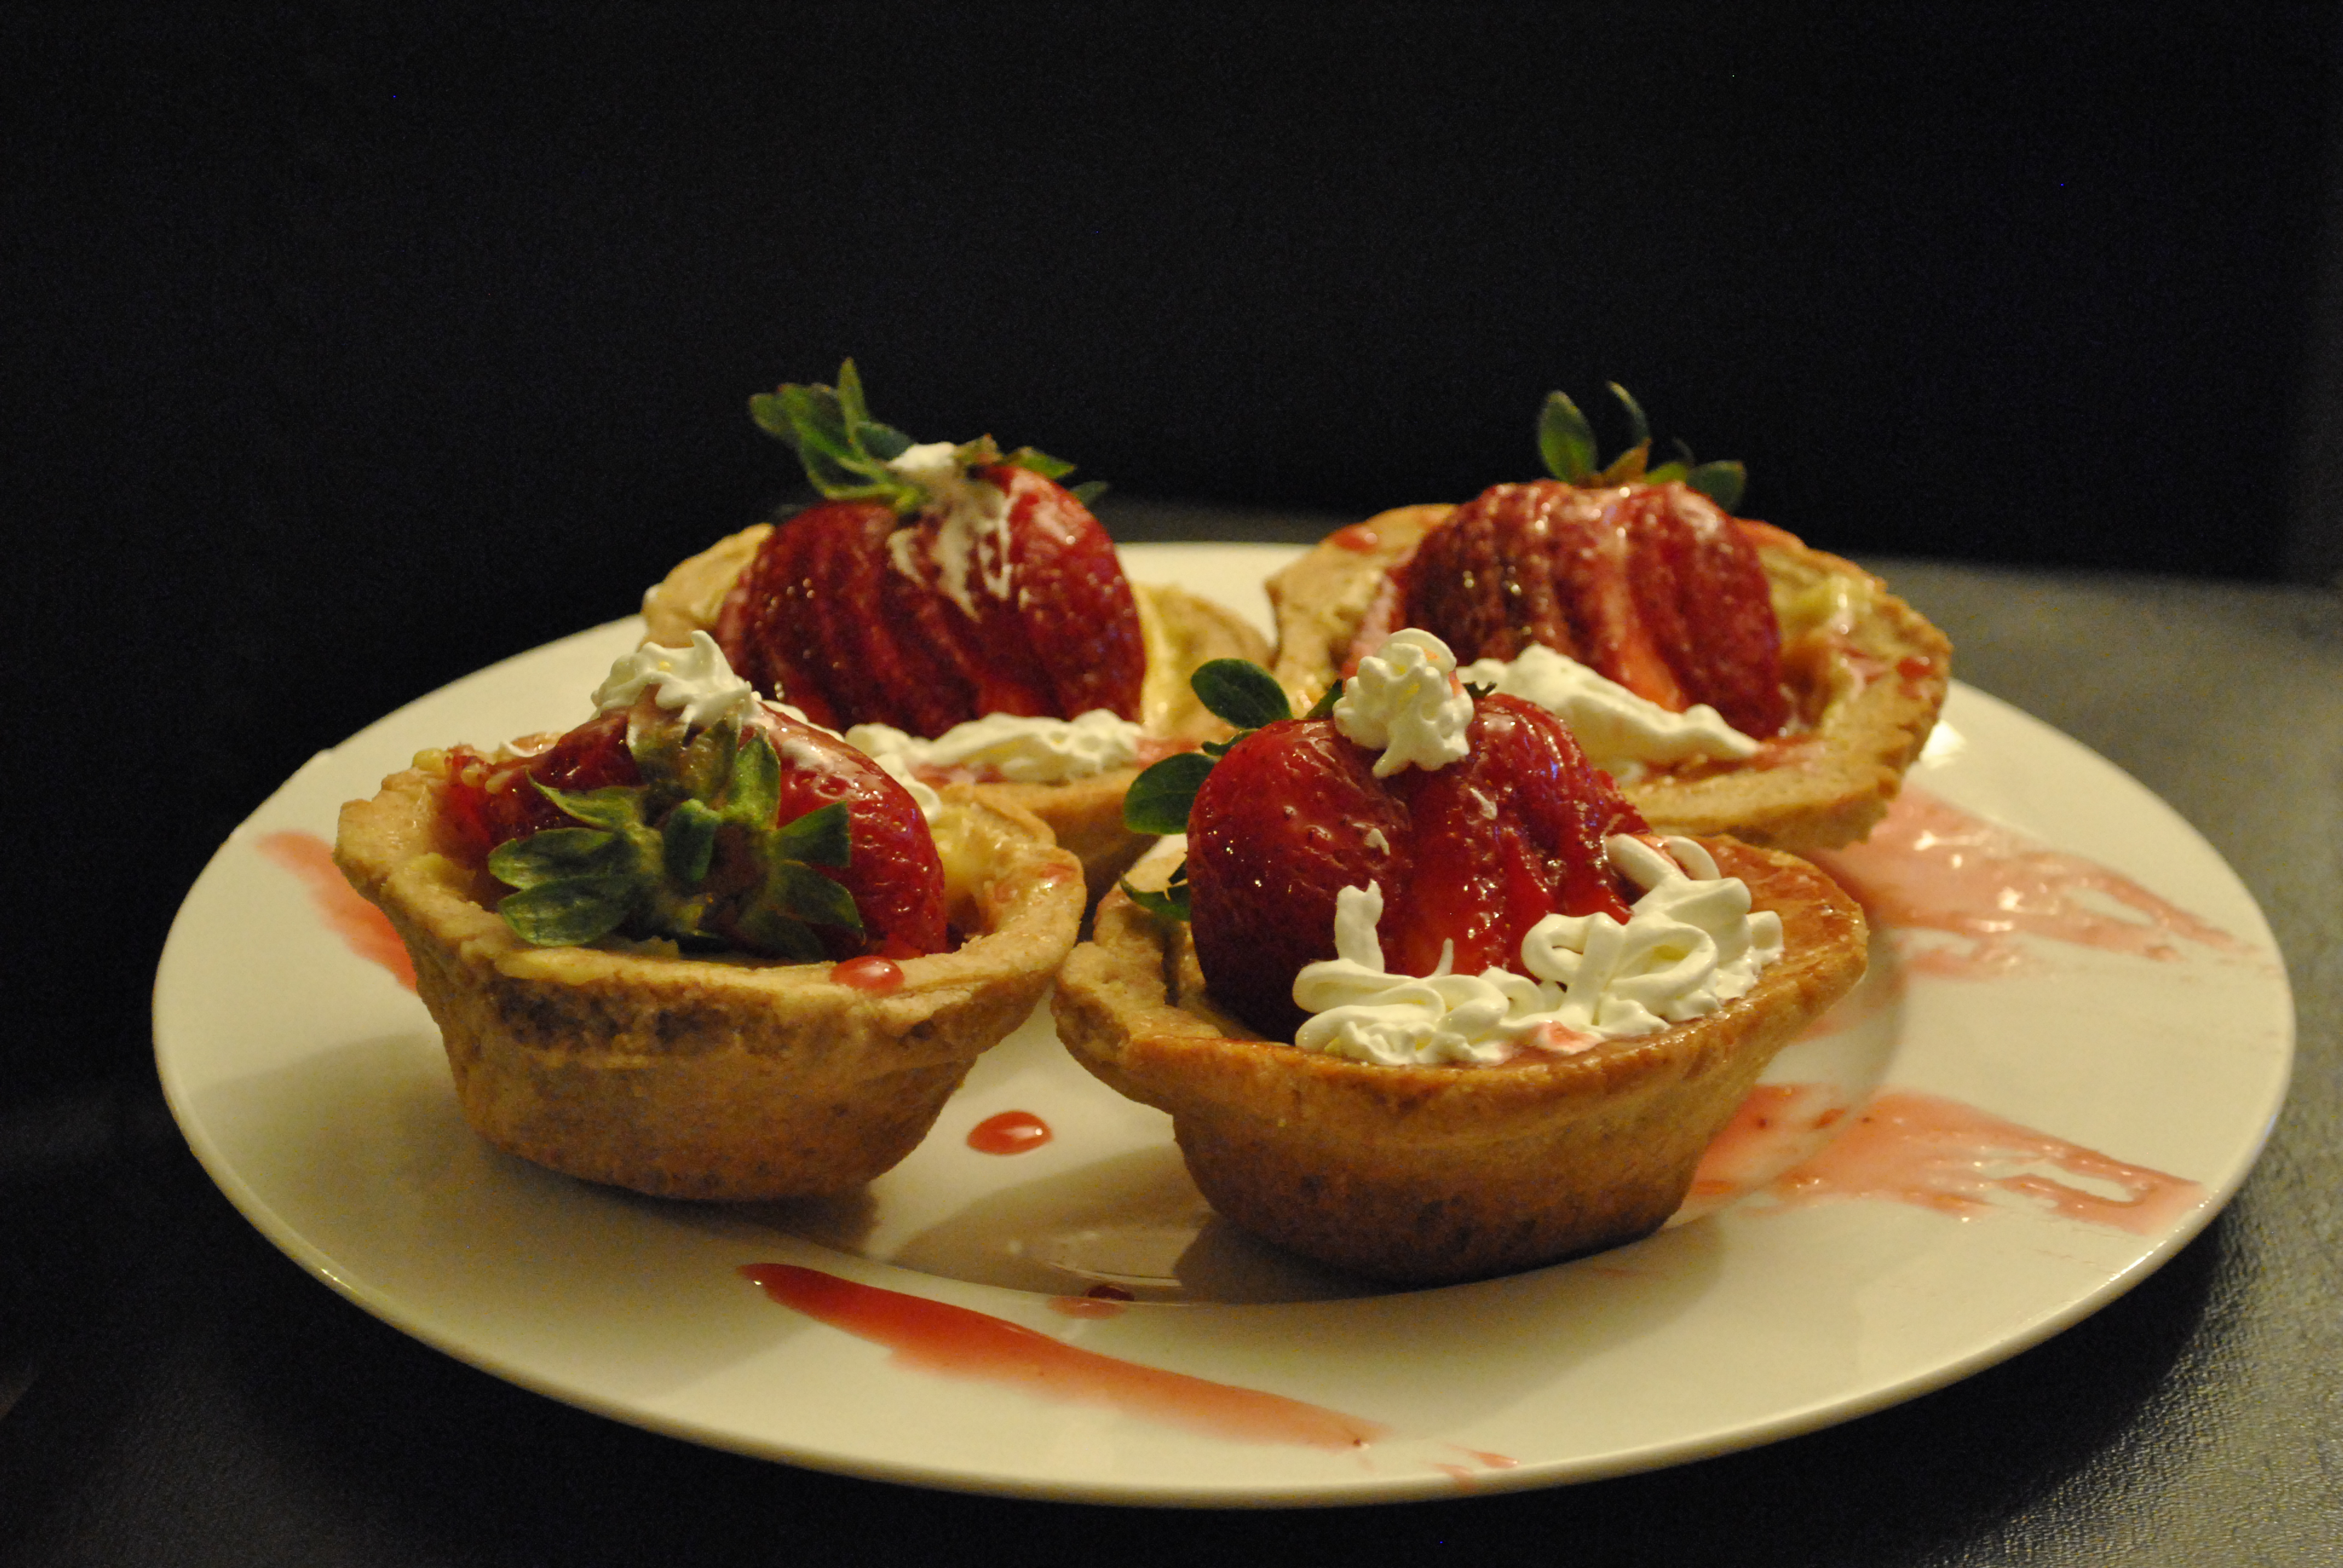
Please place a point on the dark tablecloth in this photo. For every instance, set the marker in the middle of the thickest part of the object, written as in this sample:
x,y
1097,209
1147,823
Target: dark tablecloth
x,y
184,1394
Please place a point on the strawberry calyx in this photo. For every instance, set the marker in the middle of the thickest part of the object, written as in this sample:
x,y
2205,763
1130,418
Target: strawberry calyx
x,y
848,456
1566,442
692,854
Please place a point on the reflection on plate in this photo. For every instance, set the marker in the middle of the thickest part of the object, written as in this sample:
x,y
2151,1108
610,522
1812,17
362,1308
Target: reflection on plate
x,y
2043,1090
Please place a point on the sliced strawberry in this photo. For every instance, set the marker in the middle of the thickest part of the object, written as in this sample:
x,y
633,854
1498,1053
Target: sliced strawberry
x,y
1075,606
1475,853
1282,825
1649,584
1502,838
849,614
1702,591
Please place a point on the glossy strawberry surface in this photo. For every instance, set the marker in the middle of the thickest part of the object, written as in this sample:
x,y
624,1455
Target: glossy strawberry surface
x,y
1473,853
854,614
1653,585
892,872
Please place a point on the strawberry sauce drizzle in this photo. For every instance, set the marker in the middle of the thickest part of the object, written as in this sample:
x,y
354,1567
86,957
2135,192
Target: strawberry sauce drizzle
x,y
364,929
1010,1132
1924,1149
953,1341
1931,866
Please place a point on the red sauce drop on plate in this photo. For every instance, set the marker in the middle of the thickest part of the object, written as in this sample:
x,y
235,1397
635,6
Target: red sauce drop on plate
x,y
1930,1151
1357,536
1932,866
953,1341
364,929
1010,1132
871,974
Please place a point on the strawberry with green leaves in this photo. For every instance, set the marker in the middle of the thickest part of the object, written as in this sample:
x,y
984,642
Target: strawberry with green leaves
x,y
933,585
754,833
1637,570
1281,819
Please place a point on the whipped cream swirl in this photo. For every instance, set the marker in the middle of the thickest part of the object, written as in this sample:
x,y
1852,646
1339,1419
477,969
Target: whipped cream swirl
x,y
1614,727
696,681
1018,749
1690,944
1406,701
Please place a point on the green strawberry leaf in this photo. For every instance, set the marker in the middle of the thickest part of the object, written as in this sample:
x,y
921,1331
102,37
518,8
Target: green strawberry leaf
x,y
1720,482
798,890
1171,904
1036,460
1639,429
558,854
846,452
1089,490
1324,707
818,837
569,913
611,807
1566,444
1566,441
1158,799
687,841
1241,692
751,794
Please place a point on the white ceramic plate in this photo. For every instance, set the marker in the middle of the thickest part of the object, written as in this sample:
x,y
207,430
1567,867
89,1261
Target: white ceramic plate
x,y
311,1085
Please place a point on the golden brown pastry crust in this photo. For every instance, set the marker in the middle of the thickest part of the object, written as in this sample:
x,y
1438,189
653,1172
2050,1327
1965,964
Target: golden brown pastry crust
x,y
1181,629
1869,671
1427,1175
724,1078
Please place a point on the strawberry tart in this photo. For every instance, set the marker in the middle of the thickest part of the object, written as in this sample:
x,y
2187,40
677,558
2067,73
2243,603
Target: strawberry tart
x,y
960,614
701,949
1428,998
1732,679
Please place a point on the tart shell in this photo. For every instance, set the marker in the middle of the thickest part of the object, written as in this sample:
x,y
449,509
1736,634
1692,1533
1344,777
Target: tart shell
x,y
1867,672
1433,1175
731,1077
1181,629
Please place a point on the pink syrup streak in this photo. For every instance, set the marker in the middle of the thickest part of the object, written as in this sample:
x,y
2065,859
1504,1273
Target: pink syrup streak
x,y
953,1341
362,928
1935,1153
1931,866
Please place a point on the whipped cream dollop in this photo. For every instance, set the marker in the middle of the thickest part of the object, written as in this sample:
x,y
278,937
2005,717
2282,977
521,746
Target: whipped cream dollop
x,y
1019,749
1691,944
1614,727
696,681
972,524
1406,701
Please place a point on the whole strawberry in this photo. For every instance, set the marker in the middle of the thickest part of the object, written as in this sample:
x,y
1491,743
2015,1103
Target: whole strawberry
x,y
1469,853
935,584
1638,572
754,831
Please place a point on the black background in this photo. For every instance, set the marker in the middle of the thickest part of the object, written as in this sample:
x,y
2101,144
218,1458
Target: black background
x,y
355,347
